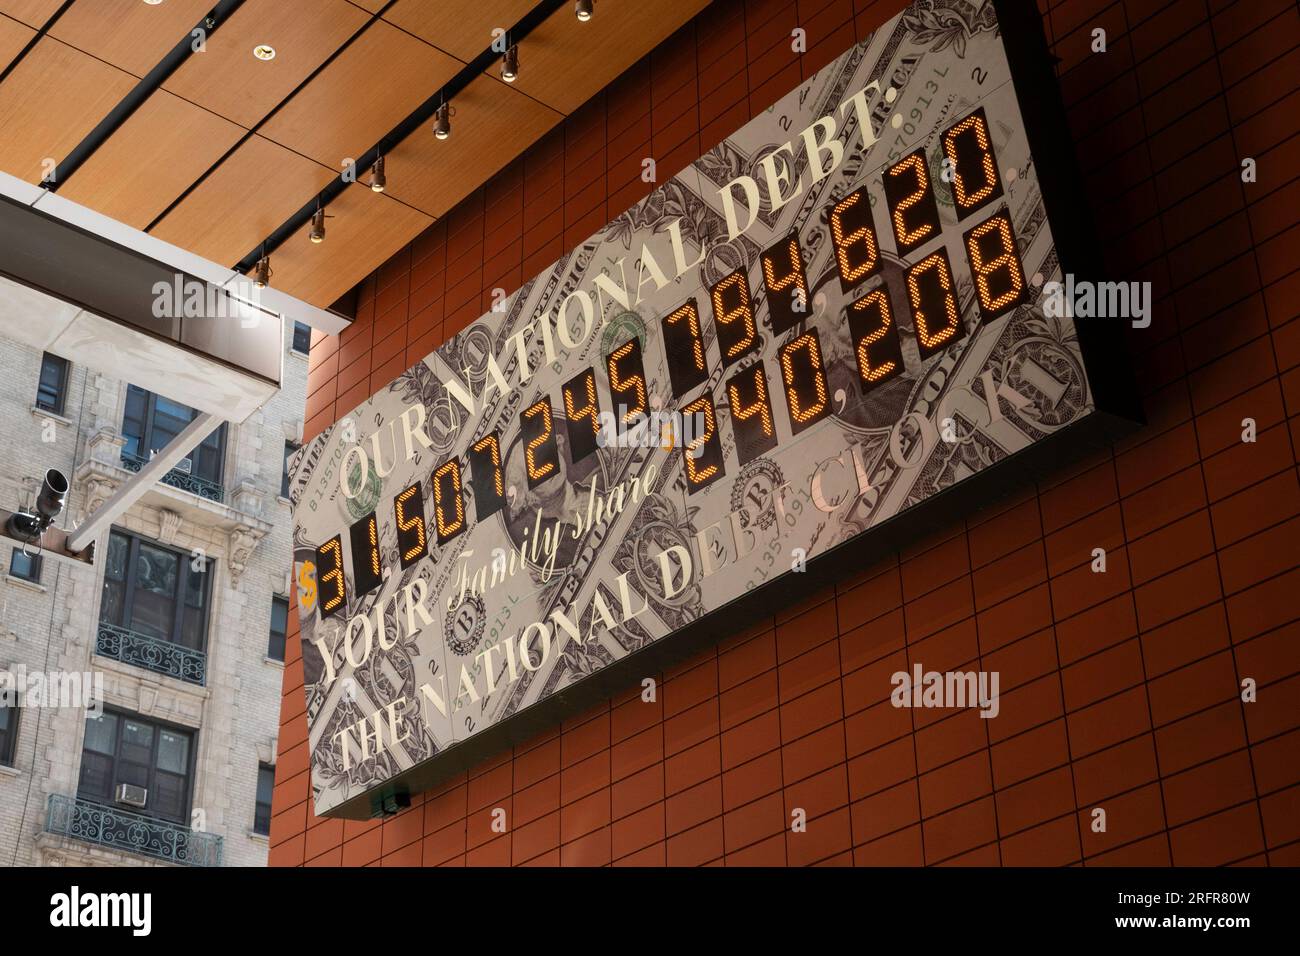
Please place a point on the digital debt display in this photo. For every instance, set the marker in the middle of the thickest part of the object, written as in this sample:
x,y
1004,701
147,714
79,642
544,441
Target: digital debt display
x,y
823,335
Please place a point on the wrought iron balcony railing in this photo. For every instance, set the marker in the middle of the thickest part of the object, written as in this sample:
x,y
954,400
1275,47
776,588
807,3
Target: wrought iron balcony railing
x,y
151,653
202,487
133,832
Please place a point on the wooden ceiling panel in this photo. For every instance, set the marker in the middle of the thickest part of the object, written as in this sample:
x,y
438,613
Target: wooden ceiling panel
x,y
13,37
366,229
493,124
129,34
243,201
151,159
462,28
371,87
34,13
564,62
233,83
55,96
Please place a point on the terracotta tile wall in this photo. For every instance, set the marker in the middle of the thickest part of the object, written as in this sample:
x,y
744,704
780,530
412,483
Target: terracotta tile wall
x,y
1120,690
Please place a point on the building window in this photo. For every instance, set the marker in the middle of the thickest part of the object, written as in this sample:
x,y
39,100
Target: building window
x,y
289,448
8,730
302,338
123,752
151,421
262,811
25,566
51,391
279,627
155,591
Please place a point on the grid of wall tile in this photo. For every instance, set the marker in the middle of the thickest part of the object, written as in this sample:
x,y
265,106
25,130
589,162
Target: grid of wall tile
x,y
1120,690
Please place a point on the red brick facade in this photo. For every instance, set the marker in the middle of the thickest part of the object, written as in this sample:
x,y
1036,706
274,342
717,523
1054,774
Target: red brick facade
x,y
1119,690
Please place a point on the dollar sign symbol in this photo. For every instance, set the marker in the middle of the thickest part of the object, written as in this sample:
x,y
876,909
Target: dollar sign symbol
x,y
307,585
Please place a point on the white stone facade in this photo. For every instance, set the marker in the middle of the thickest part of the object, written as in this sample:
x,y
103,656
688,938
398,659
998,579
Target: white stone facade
x,y
52,627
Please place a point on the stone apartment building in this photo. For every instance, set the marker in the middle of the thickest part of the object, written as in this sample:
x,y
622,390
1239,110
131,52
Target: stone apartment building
x,y
183,614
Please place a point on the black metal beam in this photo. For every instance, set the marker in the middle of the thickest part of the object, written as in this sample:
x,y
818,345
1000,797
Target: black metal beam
x,y
156,77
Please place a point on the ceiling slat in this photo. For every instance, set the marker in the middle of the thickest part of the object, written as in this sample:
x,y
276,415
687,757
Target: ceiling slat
x,y
154,157
367,228
492,125
55,96
34,13
462,28
371,87
259,186
13,37
233,83
129,34
564,62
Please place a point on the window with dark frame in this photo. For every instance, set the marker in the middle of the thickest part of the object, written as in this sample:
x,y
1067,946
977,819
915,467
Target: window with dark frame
x,y
52,388
124,749
8,730
302,338
151,421
156,591
25,566
262,810
289,448
279,628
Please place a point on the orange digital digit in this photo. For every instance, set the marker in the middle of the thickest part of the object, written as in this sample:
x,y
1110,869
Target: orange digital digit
x,y
875,339
786,284
733,317
857,254
995,265
804,377
541,457
969,152
412,539
486,476
448,527
366,571
684,348
704,449
329,564
935,315
627,383
912,209
582,412
751,413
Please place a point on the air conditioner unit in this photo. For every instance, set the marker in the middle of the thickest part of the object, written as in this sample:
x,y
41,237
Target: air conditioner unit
x,y
131,795
185,466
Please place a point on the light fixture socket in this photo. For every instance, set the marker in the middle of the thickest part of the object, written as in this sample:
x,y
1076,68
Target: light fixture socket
x,y
584,9
317,233
377,179
442,121
262,272
510,64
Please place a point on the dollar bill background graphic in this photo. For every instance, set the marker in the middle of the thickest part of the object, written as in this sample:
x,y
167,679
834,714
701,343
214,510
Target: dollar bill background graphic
x,y
943,60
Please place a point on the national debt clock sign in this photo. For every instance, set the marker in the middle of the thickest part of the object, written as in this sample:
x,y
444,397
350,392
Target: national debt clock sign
x,y
826,333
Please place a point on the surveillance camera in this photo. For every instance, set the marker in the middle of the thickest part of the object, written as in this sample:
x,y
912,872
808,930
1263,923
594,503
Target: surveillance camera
x,y
29,527
53,496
